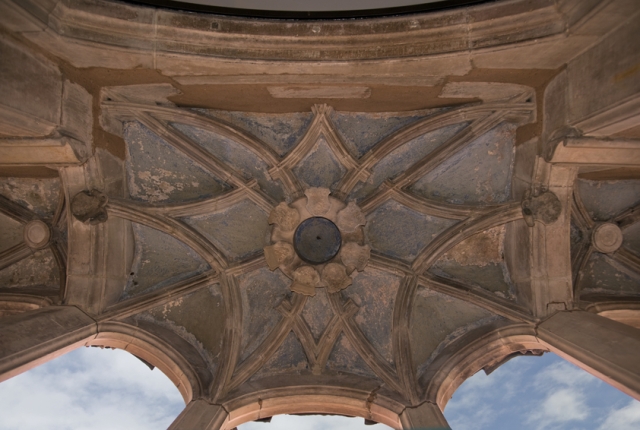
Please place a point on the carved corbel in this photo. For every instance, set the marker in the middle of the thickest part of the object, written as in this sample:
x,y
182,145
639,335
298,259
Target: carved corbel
x,y
540,205
90,207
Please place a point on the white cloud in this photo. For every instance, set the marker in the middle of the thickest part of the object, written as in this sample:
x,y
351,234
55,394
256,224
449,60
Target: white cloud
x,y
626,418
316,422
559,407
90,389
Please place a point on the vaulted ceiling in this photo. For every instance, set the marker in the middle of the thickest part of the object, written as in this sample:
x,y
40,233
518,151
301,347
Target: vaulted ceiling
x,y
479,189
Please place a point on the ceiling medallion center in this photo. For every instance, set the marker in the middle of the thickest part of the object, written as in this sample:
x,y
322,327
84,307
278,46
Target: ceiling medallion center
x,y
318,241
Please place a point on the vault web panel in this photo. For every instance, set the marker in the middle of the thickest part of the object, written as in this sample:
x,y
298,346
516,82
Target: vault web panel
x,y
345,358
10,232
240,231
362,131
399,232
249,165
374,292
320,168
281,132
39,195
403,157
477,174
38,270
261,291
437,320
160,260
157,172
602,275
606,199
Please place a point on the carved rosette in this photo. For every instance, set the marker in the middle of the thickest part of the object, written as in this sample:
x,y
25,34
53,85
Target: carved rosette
x,y
336,272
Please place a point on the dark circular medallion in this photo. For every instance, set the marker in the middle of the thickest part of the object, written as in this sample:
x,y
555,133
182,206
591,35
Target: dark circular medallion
x,y
317,240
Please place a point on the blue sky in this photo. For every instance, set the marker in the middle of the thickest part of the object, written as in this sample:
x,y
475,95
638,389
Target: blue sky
x,y
96,389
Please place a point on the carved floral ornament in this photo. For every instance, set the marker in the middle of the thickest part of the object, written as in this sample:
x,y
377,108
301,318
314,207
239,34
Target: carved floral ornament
x,y
318,242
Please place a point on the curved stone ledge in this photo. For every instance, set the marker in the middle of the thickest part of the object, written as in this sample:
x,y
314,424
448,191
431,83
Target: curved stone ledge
x,y
152,31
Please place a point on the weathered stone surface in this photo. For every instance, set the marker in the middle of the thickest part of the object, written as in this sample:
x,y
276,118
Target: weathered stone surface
x,y
305,280
36,234
544,207
354,256
335,277
159,260
157,172
90,207
318,202
240,231
321,167
480,173
278,254
392,229
607,237
284,217
350,218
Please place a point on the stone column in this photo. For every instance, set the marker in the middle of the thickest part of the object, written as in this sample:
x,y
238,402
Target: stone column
x,y
427,416
32,338
605,348
200,415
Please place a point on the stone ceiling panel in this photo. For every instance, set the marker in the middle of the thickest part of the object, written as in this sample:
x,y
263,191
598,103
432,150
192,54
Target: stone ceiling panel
x,y
10,232
374,292
37,271
40,196
478,261
321,167
288,359
248,164
158,173
632,238
604,200
405,156
604,275
399,232
240,231
437,320
199,318
281,132
478,174
344,358
261,292
362,131
160,260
